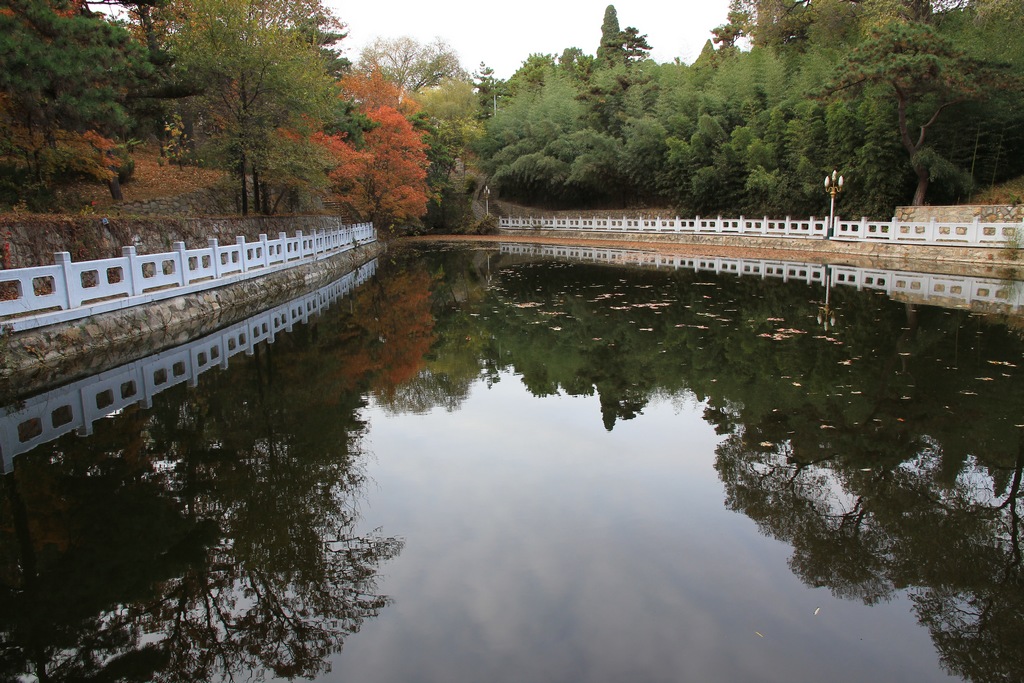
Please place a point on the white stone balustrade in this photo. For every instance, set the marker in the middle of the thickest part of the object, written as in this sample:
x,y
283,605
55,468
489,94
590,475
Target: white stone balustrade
x,y
967,234
77,406
43,295
974,233
762,227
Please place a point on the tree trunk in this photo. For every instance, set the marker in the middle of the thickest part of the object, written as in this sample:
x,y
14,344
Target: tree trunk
x,y
277,201
922,185
912,149
245,186
115,187
256,204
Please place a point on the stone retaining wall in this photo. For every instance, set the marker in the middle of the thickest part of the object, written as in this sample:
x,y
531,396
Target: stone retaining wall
x,y
208,201
38,359
961,213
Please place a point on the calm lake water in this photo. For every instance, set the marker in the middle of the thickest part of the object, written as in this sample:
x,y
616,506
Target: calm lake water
x,y
486,465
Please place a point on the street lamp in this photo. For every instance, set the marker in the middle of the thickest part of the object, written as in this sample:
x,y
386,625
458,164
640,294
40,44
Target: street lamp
x,y
833,186
487,196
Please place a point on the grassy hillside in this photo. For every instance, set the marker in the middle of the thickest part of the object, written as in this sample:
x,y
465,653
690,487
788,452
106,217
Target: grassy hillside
x,y
1011,192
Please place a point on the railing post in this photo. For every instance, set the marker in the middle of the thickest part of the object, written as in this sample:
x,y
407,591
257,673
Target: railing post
x,y
240,241
179,255
134,279
282,240
212,243
63,259
263,246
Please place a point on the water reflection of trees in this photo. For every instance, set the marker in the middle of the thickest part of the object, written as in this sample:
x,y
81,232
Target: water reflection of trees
x,y
214,535
885,453
866,530
912,485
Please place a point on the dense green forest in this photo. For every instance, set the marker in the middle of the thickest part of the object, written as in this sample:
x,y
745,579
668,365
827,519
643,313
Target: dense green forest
x,y
914,101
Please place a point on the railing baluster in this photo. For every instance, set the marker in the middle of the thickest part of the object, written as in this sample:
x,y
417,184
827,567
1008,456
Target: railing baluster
x,y
70,299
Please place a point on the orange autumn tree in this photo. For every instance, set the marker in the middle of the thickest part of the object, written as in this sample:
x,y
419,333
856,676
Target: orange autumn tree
x,y
372,91
384,179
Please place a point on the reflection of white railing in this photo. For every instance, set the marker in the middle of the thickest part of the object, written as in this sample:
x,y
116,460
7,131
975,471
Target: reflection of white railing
x,y
45,417
973,233
782,270
939,290
65,291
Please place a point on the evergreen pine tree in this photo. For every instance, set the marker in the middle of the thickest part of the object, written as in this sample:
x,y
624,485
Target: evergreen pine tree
x,y
610,51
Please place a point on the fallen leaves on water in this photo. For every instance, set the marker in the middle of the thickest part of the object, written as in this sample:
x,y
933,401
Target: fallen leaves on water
x,y
782,333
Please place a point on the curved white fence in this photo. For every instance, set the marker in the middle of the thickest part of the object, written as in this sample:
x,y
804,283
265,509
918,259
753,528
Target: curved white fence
x,y
43,295
974,233
78,405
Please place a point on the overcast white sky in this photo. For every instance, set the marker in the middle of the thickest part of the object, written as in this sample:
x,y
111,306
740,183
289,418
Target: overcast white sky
x,y
503,34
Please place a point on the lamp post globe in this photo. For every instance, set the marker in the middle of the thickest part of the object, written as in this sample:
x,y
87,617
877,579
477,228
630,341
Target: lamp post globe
x,y
833,186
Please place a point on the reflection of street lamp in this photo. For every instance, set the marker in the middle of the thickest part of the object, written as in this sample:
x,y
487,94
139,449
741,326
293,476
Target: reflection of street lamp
x,y
827,314
833,186
487,196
